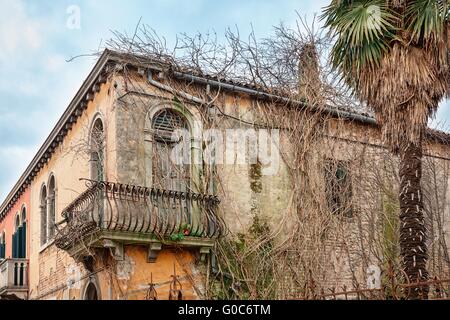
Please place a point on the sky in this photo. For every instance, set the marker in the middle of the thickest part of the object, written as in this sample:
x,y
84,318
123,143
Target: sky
x,y
38,37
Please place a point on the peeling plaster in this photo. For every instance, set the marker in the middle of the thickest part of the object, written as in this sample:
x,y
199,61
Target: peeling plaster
x,y
125,268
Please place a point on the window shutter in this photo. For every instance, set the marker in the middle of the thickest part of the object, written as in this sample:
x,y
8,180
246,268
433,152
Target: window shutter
x,y
2,251
24,240
165,123
14,245
16,240
19,242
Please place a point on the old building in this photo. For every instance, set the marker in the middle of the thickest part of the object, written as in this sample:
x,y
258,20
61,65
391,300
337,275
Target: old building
x,y
149,169
14,246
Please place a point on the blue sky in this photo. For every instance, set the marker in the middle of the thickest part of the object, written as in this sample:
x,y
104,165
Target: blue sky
x,y
37,84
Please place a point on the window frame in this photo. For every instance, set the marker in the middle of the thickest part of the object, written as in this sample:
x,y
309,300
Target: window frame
x,y
43,215
339,190
97,158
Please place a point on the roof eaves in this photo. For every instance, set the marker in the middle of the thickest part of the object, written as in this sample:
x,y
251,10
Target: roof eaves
x,y
55,137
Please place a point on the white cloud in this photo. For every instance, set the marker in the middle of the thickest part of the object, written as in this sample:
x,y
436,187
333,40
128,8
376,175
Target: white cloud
x,y
13,159
55,62
19,32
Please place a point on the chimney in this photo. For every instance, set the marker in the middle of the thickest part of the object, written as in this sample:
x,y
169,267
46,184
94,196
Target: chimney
x,y
309,84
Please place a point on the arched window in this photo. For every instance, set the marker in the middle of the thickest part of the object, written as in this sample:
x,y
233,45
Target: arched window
x,y
97,151
43,207
168,172
17,222
19,237
2,245
23,244
51,207
24,215
91,292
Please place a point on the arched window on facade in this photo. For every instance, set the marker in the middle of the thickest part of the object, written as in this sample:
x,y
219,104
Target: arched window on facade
x,y
91,292
168,171
97,151
24,231
24,215
43,207
2,245
51,207
19,237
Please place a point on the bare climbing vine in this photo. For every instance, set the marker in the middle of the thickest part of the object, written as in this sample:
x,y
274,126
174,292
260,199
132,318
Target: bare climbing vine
x,y
331,211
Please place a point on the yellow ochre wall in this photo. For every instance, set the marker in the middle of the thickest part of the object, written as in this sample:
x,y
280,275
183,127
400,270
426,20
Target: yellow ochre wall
x,y
51,268
68,164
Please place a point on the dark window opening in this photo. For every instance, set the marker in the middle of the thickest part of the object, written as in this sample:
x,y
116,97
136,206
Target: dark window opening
x,y
338,188
91,292
2,246
19,238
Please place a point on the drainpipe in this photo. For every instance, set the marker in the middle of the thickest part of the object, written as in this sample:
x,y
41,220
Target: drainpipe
x,y
264,95
173,91
258,94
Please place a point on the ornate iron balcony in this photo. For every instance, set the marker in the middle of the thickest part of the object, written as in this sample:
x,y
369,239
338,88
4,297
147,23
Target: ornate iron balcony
x,y
133,214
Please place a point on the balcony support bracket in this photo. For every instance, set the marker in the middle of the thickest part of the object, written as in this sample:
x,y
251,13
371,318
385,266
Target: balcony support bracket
x,y
204,251
153,250
116,248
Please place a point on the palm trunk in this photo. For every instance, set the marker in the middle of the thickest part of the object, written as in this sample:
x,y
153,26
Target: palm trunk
x,y
413,248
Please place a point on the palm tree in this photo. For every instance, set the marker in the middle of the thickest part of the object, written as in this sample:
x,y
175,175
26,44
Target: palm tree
x,y
393,54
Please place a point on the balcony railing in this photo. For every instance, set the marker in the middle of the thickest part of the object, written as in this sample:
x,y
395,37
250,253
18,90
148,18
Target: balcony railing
x,y
147,212
14,277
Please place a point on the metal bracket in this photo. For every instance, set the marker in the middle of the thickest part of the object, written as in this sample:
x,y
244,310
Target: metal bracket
x,y
153,251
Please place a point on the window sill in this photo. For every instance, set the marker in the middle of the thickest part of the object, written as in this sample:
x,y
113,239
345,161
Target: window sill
x,y
46,245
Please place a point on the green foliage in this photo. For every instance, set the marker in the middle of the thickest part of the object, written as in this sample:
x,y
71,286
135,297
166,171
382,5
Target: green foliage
x,y
176,237
364,34
184,231
255,177
366,30
425,17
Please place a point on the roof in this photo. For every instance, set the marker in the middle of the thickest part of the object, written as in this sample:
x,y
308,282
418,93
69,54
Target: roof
x,y
97,76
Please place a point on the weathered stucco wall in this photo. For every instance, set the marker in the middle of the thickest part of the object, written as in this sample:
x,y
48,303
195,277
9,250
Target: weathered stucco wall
x,y
244,193
52,269
243,190
69,163
7,225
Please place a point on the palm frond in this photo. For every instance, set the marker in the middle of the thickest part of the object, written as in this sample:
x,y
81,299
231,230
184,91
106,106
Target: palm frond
x,y
426,19
364,28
